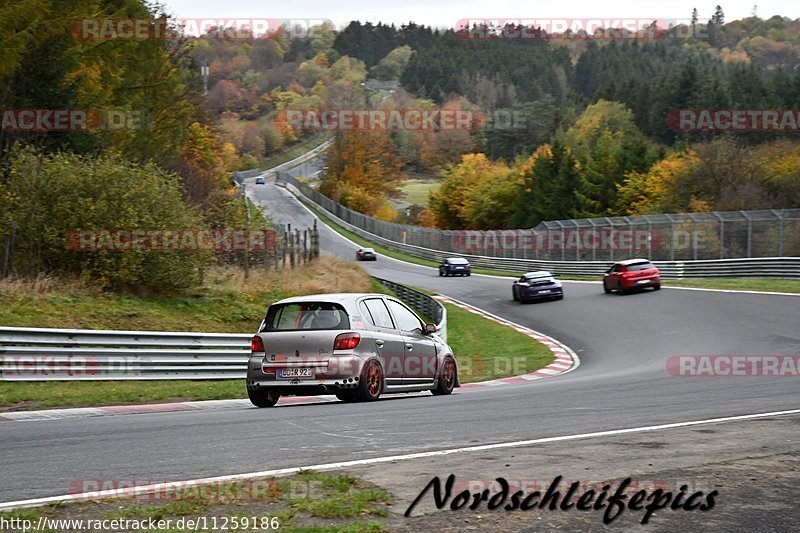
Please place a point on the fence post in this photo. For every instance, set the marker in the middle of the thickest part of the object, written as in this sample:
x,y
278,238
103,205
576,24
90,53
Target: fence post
x,y
9,250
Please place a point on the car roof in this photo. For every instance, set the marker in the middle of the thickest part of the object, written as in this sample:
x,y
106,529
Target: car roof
x,y
342,297
365,249
538,274
632,261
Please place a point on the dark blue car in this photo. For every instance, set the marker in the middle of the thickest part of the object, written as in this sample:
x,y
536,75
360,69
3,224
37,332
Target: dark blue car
x,y
539,285
455,266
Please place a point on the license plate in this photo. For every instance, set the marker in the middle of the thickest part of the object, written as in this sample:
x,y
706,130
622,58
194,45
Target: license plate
x,y
643,281
544,292
291,373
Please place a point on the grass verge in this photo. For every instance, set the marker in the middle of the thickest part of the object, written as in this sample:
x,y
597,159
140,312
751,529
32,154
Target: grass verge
x,y
295,151
228,302
309,501
484,349
739,284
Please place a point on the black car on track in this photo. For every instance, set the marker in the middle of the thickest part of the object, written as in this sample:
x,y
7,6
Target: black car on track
x,y
455,266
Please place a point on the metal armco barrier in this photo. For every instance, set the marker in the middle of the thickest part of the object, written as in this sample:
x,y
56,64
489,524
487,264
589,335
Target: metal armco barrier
x,y
771,267
423,303
241,176
42,354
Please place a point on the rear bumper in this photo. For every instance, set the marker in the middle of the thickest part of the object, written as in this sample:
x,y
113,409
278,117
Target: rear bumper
x,y
645,282
304,387
337,368
530,295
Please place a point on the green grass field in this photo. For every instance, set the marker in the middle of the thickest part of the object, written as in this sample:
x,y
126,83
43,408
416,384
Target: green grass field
x,y
416,192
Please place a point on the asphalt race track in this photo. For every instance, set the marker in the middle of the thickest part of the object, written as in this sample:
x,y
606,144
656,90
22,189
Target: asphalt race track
x,y
623,343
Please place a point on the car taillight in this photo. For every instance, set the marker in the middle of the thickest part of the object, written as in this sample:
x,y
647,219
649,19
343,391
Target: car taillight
x,y
256,344
346,341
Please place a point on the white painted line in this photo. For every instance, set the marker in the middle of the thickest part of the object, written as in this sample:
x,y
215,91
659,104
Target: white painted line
x,y
52,414
148,489
732,291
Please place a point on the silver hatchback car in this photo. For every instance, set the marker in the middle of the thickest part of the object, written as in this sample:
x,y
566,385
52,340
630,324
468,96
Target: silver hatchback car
x,y
356,346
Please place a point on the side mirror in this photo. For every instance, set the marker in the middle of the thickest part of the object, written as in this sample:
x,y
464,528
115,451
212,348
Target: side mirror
x,y
608,271
429,329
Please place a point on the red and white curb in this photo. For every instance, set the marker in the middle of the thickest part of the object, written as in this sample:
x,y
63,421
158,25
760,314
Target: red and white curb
x,y
565,359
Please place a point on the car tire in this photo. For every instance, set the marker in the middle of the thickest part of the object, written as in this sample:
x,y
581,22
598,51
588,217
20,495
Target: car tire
x,y
370,385
469,273
560,297
514,294
346,395
622,290
605,288
263,397
441,273
657,287
447,380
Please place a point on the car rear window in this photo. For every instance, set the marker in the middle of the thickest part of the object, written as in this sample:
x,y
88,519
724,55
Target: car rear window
x,y
540,280
640,266
306,316
458,261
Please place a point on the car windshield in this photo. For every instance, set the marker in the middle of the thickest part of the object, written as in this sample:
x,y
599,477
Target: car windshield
x,y
640,266
305,316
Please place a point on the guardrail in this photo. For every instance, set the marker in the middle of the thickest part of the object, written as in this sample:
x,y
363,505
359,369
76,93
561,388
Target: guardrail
x,y
774,267
430,307
43,354
241,176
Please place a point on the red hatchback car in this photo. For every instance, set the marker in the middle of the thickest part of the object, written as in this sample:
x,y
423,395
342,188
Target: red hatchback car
x,y
631,274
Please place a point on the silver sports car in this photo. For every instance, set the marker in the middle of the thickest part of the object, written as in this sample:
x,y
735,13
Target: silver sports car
x,y
356,346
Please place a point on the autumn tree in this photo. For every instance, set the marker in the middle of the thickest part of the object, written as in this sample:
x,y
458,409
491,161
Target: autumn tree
x,y
363,169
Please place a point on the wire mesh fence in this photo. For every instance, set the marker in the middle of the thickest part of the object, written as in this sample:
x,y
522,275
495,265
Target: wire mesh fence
x,y
669,237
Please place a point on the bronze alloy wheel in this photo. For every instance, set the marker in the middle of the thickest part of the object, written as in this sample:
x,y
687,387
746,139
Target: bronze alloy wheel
x,y
371,385
447,379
